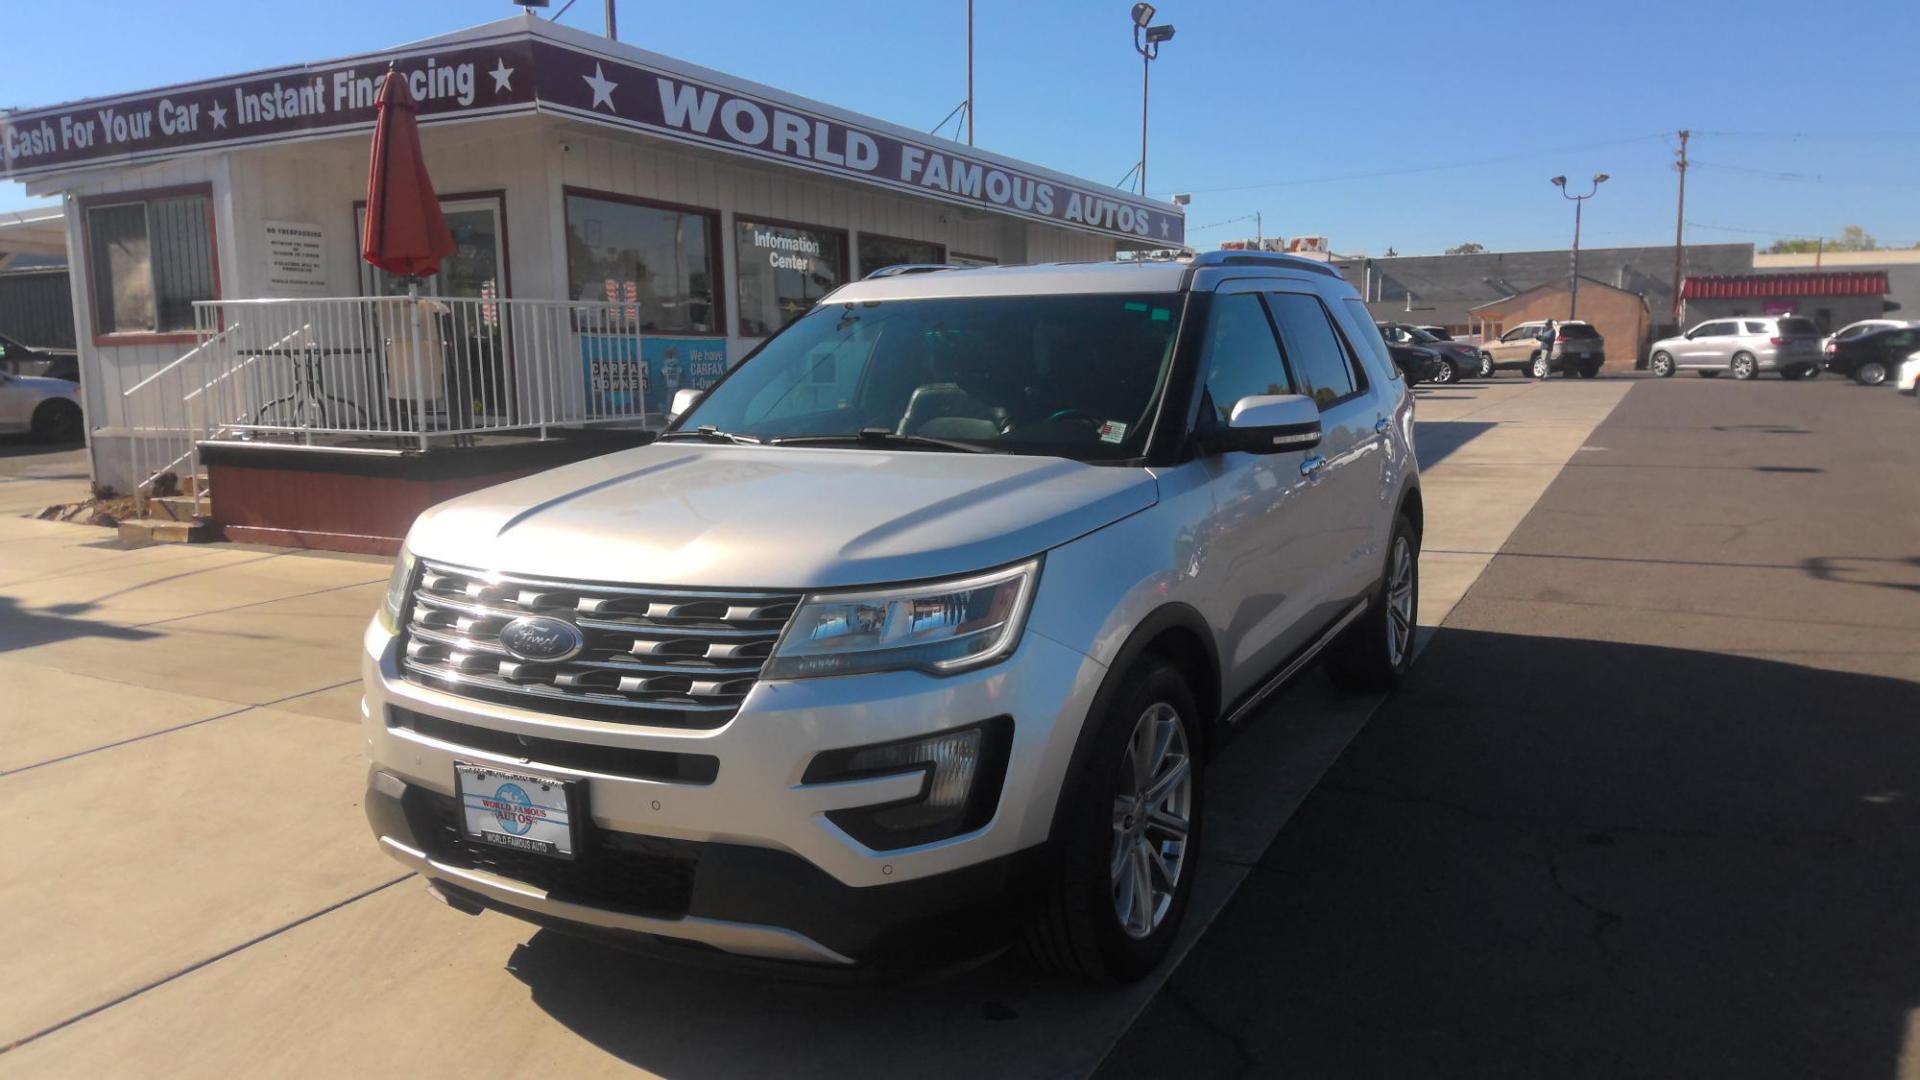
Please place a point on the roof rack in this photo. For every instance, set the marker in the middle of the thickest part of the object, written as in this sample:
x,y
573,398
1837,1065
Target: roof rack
x,y
899,269
1273,259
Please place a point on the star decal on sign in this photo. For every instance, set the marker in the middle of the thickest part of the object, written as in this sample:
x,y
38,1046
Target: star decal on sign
x,y
219,115
1163,228
602,89
502,76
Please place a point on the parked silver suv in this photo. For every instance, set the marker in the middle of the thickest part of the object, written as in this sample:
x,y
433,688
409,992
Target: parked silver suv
x,y
1745,346
914,633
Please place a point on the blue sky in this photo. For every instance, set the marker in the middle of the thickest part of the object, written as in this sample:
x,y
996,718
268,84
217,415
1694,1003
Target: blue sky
x,y
1410,125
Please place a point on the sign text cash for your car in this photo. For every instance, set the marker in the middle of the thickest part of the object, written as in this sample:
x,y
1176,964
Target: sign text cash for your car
x,y
523,72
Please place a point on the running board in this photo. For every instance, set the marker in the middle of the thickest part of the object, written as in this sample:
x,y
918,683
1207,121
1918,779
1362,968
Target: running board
x,y
1306,657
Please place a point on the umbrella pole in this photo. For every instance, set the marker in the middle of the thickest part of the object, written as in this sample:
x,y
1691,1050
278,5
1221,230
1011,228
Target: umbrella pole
x,y
414,353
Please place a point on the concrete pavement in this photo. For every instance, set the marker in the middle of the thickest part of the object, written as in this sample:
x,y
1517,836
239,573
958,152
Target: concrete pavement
x,y
195,893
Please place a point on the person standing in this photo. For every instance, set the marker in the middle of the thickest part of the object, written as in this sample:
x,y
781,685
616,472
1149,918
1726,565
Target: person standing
x,y
1549,333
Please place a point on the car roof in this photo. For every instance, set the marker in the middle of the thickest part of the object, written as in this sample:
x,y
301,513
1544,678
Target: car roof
x,y
1064,278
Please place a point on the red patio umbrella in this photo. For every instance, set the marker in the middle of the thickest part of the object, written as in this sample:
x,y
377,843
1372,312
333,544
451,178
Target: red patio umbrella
x,y
406,234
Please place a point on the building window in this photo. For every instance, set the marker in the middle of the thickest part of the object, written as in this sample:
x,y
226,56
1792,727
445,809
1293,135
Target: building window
x,y
477,267
150,259
877,252
661,260
783,270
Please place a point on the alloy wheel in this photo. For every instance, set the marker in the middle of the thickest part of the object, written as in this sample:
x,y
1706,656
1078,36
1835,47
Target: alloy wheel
x,y
1400,602
1444,373
1871,373
1540,368
1152,815
1486,365
1662,365
1743,367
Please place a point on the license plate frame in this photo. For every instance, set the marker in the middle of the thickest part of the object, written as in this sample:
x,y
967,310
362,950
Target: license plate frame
x,y
517,811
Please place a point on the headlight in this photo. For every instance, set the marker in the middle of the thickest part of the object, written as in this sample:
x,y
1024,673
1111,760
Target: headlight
x,y
397,584
940,627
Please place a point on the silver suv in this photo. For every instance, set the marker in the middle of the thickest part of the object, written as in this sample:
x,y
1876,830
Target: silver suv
x,y
1745,346
913,634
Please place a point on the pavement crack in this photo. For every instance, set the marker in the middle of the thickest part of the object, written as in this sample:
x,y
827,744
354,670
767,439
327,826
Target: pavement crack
x,y
1604,919
1245,1062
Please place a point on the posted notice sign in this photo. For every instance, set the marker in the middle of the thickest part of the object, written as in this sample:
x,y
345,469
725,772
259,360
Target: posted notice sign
x,y
296,257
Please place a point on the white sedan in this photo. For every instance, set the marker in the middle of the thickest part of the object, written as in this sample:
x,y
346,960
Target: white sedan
x,y
1908,377
49,408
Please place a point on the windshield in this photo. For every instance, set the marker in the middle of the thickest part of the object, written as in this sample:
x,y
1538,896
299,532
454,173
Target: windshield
x,y
1065,376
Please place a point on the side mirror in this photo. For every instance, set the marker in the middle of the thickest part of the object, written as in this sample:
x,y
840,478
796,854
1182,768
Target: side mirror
x,y
1269,424
683,399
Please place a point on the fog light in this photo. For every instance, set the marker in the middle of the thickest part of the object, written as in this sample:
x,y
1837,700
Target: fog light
x,y
961,774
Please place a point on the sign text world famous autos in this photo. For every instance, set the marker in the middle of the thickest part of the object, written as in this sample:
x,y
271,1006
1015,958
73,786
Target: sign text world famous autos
x,y
522,73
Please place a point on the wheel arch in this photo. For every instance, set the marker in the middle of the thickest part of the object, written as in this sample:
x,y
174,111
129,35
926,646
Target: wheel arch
x,y
1176,634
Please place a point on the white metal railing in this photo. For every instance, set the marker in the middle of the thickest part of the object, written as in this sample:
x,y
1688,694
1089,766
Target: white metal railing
x,y
399,370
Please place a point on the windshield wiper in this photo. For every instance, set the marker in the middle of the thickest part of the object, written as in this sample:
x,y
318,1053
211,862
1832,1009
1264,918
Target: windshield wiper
x,y
710,434
879,436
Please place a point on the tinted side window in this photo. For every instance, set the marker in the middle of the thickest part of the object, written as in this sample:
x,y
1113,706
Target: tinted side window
x,y
1714,329
1319,360
1242,357
1372,343
1802,326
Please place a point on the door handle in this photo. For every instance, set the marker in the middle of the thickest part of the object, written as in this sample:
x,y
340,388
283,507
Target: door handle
x,y
1382,426
1311,467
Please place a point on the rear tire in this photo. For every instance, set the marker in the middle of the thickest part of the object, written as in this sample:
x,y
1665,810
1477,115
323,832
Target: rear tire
x,y
1376,651
1662,365
1486,365
1871,373
1446,373
57,420
1793,374
1744,366
1076,927
1590,371
1541,367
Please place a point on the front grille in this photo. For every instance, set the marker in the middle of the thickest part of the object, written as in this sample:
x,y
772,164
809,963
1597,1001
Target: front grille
x,y
642,875
662,656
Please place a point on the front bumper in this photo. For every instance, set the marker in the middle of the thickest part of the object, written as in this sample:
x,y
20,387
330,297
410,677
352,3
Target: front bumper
x,y
760,871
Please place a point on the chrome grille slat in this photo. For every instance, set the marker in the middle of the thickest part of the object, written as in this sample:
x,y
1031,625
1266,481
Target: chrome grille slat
x,y
691,655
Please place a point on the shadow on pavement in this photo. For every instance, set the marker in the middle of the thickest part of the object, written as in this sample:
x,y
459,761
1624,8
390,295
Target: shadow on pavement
x,y
26,445
1434,439
22,629
1564,857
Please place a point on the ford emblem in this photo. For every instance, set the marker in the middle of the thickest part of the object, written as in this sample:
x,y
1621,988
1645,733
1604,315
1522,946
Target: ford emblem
x,y
542,639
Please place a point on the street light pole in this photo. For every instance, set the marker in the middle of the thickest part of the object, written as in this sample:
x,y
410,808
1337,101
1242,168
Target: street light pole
x,y
1146,40
1573,284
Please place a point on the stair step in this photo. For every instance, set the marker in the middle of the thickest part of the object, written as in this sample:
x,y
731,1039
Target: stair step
x,y
140,532
179,508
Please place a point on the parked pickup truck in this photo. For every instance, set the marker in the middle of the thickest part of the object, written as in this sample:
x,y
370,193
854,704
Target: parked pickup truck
x,y
914,634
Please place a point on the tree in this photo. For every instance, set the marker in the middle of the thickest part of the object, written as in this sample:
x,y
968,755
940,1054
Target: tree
x,y
1468,248
1852,238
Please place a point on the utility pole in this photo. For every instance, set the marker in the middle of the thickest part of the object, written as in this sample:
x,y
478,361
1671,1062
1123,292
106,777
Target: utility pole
x,y
613,28
1146,68
1680,230
969,72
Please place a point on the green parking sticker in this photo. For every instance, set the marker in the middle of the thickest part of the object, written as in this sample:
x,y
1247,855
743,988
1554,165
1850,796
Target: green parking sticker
x,y
1133,305
1161,314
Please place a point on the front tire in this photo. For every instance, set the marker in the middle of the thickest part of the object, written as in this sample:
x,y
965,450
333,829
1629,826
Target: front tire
x,y
57,420
1662,365
1129,834
1376,651
1871,373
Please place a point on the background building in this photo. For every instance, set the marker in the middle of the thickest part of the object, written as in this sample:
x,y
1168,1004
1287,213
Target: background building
x,y
1620,316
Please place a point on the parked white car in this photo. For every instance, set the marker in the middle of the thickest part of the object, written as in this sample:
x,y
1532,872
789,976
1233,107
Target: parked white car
x,y
1908,377
48,408
1743,345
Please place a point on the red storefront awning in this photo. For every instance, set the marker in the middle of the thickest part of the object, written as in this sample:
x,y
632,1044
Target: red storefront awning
x,y
1785,286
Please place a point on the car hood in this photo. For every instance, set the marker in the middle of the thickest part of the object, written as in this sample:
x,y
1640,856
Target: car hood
x,y
778,517
1667,343
41,386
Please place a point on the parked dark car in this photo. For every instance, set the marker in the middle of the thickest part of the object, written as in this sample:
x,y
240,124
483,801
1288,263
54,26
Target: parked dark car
x,y
1455,359
1417,363
1870,358
19,359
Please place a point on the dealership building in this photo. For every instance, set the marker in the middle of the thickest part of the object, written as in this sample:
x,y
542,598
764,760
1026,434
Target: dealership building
x,y
569,167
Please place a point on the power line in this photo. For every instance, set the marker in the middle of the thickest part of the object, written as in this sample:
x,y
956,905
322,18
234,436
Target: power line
x,y
1787,234
1418,169
1811,134
1812,178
